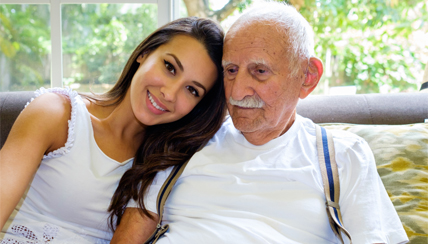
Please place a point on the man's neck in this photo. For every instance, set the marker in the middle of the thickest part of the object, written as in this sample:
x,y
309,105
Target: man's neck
x,y
262,137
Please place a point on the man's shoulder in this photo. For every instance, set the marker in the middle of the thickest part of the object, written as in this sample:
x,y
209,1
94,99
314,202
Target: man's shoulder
x,y
351,146
346,137
226,128
341,138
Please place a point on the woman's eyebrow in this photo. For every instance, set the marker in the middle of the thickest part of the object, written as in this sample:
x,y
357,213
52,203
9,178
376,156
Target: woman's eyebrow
x,y
177,61
182,69
200,85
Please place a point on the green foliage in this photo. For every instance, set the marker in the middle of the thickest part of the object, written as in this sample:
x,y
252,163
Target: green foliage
x,y
373,44
370,41
97,40
24,45
242,5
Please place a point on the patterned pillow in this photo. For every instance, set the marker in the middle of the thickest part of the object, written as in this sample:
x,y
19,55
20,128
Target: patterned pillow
x,y
401,153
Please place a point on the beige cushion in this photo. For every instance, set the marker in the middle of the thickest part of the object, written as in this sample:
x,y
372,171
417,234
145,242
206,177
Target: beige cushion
x,y
401,153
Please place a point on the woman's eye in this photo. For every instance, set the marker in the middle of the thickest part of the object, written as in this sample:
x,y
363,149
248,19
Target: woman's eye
x,y
193,91
169,67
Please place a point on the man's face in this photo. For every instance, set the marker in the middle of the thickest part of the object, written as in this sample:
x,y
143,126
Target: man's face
x,y
256,66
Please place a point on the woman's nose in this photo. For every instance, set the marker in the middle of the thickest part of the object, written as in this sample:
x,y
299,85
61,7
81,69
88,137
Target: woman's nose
x,y
169,91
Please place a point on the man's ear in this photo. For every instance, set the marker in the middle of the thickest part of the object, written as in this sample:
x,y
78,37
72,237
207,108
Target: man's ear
x,y
313,76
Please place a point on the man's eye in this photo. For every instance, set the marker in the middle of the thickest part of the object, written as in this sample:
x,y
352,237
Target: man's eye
x,y
169,67
232,70
193,91
261,71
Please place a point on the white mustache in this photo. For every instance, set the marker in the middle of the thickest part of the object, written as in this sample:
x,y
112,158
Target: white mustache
x,y
248,102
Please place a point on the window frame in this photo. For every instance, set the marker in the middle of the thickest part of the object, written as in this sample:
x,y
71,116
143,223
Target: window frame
x,y
167,11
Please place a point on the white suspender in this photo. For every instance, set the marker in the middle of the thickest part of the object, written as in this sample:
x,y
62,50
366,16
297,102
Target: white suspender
x,y
330,178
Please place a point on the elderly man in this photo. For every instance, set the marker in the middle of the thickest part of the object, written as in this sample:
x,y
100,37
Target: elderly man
x,y
259,179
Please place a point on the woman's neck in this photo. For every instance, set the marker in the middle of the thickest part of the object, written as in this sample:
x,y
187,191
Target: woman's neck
x,y
116,130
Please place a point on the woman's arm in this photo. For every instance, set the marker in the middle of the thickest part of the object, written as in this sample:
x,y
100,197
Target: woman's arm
x,y
134,227
40,128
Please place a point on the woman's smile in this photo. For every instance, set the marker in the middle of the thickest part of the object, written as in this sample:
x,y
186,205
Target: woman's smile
x,y
156,106
173,78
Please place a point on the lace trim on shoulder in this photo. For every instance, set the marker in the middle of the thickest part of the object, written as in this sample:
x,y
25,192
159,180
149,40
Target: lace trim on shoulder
x,y
73,95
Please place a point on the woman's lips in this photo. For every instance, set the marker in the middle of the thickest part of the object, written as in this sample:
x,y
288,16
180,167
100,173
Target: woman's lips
x,y
160,108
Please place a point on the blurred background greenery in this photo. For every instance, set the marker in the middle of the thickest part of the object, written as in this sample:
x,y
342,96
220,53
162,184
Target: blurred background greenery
x,y
366,46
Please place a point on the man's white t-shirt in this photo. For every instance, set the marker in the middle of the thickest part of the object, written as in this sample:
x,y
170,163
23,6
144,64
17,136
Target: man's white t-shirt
x,y
235,192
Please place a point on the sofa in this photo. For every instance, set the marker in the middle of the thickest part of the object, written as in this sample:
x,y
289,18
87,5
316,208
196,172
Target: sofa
x,y
394,125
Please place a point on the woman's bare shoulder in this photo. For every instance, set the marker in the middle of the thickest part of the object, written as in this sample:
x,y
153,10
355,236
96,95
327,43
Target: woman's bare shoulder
x,y
46,118
50,107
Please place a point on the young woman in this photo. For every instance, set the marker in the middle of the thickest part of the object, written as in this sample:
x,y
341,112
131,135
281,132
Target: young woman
x,y
72,149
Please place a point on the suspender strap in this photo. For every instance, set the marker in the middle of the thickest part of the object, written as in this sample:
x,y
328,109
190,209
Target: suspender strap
x,y
162,196
330,177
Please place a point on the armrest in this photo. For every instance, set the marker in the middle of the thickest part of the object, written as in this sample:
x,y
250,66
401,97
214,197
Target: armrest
x,y
398,108
11,104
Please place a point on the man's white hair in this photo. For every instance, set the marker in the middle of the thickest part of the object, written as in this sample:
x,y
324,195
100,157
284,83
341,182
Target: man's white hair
x,y
289,22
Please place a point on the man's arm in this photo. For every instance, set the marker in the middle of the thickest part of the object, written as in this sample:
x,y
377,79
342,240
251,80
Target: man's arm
x,y
367,211
134,227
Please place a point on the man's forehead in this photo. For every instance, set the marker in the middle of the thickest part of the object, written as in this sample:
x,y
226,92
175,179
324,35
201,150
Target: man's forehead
x,y
257,61
254,28
250,39
254,50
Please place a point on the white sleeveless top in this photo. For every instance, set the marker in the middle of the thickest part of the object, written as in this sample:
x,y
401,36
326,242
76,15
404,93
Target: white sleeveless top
x,y
68,198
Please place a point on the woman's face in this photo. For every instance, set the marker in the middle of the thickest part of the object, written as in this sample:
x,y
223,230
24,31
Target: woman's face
x,y
171,80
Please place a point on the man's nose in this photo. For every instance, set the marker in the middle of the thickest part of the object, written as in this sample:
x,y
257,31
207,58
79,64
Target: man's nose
x,y
241,86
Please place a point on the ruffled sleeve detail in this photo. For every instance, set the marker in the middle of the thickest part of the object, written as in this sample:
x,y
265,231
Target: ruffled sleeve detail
x,y
74,100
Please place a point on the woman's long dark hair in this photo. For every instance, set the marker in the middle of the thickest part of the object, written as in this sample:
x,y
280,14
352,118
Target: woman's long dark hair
x,y
171,144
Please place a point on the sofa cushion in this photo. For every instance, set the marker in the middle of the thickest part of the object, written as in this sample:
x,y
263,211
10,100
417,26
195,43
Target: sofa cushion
x,y
11,104
401,153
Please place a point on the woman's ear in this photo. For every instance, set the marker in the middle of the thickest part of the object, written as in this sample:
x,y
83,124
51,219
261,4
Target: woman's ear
x,y
142,57
312,77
